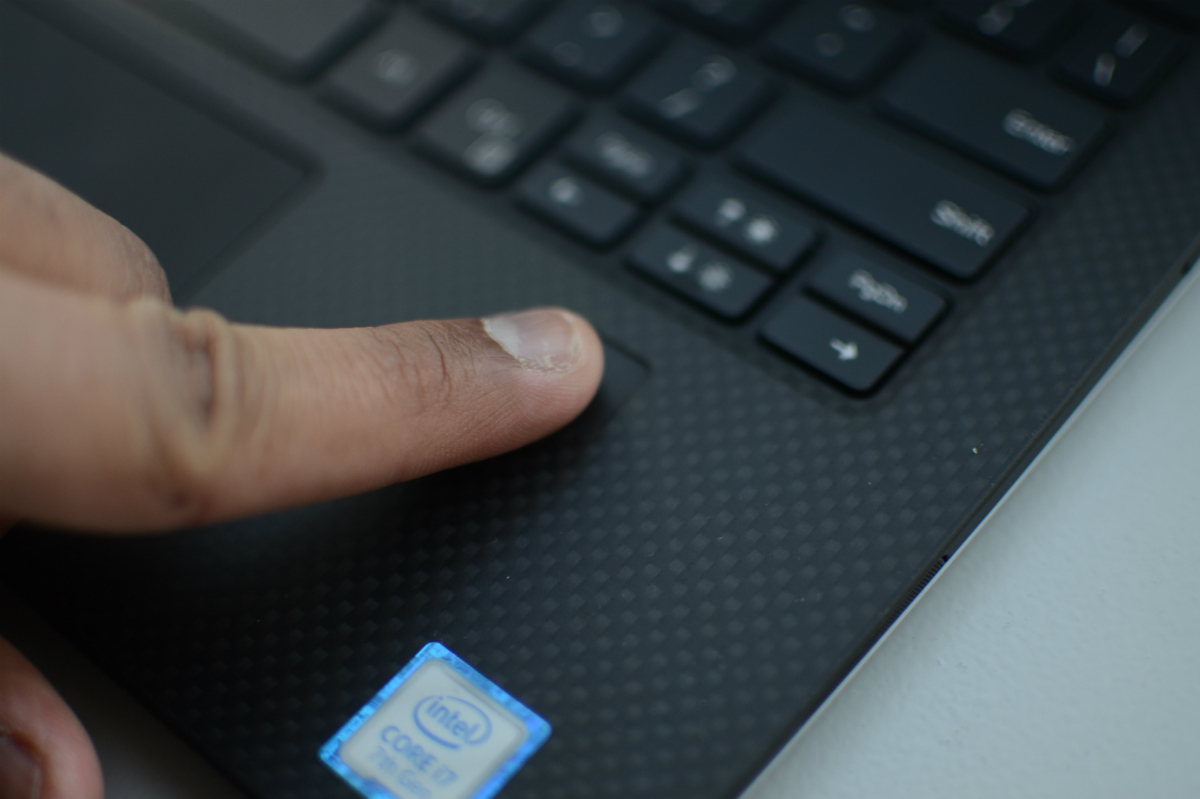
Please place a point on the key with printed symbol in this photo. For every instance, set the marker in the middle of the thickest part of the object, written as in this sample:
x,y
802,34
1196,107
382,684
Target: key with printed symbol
x,y
844,45
1019,28
1035,132
939,216
1118,56
593,44
626,156
711,279
576,204
834,346
877,295
760,228
398,71
496,123
700,93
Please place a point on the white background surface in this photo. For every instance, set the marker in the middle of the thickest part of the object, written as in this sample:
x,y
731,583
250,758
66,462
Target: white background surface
x,y
1057,655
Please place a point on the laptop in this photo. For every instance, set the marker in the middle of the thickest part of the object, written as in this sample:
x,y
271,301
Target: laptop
x,y
853,264
1014,672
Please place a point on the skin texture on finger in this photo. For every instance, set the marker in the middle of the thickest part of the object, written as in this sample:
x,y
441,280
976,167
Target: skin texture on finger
x,y
50,234
43,746
136,416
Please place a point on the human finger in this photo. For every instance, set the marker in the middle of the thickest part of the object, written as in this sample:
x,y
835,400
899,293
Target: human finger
x,y
49,233
44,751
137,416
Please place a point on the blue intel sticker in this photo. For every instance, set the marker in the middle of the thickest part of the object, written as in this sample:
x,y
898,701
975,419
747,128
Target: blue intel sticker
x,y
437,730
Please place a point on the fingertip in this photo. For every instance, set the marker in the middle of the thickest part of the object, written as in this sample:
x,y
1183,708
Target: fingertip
x,y
593,350
589,370
560,357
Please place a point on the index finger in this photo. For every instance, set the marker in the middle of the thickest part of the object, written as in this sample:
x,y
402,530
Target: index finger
x,y
139,417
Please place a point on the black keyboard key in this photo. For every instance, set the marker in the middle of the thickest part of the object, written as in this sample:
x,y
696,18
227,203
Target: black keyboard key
x,y
493,20
576,204
723,285
627,157
495,124
1118,56
845,45
734,20
832,345
1030,130
398,71
1019,28
939,216
878,295
759,228
701,93
294,39
593,44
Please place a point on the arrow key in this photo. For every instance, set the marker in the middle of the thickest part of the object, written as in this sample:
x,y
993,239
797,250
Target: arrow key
x,y
835,347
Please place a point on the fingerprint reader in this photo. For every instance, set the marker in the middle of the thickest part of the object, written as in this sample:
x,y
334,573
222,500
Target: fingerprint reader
x,y
437,730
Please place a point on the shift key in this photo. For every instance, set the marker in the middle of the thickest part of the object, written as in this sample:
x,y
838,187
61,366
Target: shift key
x,y
943,218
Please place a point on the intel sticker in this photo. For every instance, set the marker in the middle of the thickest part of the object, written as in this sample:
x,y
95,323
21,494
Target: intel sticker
x,y
438,730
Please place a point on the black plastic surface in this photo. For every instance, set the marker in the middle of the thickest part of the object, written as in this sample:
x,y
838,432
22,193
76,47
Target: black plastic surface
x,y
675,591
293,38
186,184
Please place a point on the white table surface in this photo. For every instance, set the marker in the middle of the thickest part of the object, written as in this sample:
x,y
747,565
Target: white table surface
x,y
1056,655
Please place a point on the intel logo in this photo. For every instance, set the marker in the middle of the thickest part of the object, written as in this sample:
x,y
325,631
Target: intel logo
x,y
452,722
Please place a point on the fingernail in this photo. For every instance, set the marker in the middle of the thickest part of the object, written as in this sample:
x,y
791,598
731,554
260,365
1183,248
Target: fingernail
x,y
20,775
541,339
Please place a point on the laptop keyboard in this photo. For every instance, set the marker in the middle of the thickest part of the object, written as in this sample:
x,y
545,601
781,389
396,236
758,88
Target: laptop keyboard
x,y
604,118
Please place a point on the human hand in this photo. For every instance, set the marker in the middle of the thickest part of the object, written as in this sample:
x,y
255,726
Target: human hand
x,y
120,413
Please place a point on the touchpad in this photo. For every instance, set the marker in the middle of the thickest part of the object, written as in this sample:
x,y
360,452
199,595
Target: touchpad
x,y
187,184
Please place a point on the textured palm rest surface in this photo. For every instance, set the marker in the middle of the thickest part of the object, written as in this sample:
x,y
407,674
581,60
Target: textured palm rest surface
x,y
674,592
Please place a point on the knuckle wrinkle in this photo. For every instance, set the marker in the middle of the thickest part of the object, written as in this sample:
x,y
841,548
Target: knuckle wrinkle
x,y
429,365
193,373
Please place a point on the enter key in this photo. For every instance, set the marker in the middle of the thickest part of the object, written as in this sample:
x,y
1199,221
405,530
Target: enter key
x,y
1034,132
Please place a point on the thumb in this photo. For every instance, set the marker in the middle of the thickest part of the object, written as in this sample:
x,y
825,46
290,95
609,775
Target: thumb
x,y
44,751
137,416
